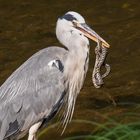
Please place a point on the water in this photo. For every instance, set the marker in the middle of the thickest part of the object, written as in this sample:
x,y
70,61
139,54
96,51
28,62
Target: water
x,y
28,26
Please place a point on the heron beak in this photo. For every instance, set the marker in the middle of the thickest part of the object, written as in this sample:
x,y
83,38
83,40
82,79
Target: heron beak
x,y
88,32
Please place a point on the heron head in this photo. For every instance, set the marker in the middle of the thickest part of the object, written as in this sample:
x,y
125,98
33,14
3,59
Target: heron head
x,y
73,21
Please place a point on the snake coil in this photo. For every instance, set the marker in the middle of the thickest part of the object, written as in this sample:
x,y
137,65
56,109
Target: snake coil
x,y
101,54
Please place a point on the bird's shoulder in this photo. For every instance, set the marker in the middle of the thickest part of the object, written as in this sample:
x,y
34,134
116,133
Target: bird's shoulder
x,y
33,89
43,69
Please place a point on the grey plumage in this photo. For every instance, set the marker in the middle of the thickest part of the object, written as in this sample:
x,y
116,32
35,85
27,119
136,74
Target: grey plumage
x,y
25,92
52,77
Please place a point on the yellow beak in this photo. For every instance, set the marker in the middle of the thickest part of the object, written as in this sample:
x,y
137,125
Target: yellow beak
x,y
88,32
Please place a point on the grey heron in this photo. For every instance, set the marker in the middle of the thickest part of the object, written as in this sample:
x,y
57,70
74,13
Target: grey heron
x,y
48,80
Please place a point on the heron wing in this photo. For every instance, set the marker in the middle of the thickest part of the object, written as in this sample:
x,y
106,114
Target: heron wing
x,y
30,93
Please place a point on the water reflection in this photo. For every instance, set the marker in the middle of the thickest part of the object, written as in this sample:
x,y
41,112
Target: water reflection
x,y
28,26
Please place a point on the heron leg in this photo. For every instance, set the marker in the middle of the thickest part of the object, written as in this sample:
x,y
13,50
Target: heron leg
x,y
33,131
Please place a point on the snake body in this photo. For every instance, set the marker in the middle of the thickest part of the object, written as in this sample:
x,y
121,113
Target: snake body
x,y
101,54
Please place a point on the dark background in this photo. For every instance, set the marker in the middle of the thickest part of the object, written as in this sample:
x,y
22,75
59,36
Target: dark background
x,y
27,26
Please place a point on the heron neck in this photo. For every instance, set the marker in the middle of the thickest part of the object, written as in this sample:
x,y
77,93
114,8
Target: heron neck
x,y
75,70
76,66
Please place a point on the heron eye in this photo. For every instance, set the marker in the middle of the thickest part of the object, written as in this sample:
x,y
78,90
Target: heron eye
x,y
74,23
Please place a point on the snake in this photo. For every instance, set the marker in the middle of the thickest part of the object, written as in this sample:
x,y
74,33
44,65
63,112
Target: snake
x,y
100,61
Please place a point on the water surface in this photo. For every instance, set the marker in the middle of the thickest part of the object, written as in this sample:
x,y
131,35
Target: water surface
x,y
28,26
